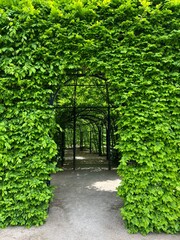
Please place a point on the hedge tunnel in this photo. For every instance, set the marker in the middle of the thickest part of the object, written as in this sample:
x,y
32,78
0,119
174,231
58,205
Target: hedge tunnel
x,y
134,46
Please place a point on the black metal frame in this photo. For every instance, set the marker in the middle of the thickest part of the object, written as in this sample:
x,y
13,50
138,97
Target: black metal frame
x,y
74,107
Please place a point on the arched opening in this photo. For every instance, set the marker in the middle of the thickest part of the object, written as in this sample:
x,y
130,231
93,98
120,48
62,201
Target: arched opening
x,y
84,114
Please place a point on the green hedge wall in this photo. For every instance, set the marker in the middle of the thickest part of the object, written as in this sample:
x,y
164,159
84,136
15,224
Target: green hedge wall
x,y
27,123
134,45
149,119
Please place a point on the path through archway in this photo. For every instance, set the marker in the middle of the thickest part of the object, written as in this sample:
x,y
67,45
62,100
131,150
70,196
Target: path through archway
x,y
83,111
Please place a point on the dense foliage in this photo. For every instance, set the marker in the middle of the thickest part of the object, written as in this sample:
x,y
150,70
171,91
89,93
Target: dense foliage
x,y
27,122
133,46
149,121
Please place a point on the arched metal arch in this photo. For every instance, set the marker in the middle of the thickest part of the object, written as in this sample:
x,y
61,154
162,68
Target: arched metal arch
x,y
108,107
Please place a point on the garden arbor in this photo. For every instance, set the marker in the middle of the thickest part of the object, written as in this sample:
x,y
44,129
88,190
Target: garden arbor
x,y
132,44
88,100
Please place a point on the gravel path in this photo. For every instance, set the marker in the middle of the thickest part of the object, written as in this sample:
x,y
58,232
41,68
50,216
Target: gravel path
x,y
85,207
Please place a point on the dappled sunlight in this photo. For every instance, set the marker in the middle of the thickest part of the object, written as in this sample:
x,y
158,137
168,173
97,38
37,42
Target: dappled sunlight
x,y
80,158
108,185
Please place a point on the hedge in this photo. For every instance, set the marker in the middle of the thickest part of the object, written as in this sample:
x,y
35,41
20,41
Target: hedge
x,y
135,46
27,123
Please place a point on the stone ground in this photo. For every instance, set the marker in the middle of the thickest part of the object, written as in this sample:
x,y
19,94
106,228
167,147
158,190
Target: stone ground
x,y
85,207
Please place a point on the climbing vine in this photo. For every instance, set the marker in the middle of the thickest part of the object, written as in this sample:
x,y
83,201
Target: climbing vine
x,y
134,46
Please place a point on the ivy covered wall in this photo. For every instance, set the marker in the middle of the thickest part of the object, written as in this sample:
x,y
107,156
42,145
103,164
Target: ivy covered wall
x,y
135,46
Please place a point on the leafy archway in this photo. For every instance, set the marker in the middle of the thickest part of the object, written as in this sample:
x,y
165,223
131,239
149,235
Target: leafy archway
x,y
84,100
135,46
